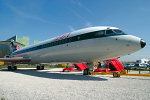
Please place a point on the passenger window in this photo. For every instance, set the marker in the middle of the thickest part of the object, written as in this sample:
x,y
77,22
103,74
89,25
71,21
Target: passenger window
x,y
70,40
59,42
78,37
109,32
49,44
62,41
66,40
56,43
44,45
99,33
52,44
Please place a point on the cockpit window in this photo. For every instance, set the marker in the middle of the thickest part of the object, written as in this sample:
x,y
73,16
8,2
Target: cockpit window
x,y
109,32
99,33
118,31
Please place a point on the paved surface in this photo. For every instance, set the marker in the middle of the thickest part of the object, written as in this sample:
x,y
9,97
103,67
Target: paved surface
x,y
51,84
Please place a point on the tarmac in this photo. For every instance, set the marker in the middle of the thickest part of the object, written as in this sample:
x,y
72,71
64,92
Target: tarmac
x,y
52,84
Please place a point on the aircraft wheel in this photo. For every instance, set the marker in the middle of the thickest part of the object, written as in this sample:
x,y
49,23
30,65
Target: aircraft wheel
x,y
9,68
116,74
15,67
42,67
12,68
86,72
38,67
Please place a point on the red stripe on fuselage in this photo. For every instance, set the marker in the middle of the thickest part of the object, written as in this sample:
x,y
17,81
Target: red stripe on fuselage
x,y
62,37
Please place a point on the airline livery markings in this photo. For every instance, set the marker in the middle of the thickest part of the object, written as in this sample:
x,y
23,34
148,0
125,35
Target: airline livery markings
x,y
62,37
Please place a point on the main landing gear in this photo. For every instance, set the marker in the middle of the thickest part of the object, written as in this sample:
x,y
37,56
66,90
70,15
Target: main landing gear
x,y
12,68
86,72
40,67
88,69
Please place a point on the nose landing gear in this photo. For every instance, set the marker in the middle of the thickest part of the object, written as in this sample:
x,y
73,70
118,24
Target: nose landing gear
x,y
40,67
88,69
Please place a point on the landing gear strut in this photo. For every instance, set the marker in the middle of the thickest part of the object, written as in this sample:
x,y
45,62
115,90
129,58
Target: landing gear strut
x,y
12,68
88,69
40,67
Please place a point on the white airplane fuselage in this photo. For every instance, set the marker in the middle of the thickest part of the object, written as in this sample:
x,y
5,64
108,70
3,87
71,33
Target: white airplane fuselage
x,y
85,45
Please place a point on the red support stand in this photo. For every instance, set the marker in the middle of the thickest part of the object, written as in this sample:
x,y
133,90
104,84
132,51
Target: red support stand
x,y
79,66
113,65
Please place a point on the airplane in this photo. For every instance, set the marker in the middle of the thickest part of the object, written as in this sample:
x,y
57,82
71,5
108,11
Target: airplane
x,y
6,45
86,45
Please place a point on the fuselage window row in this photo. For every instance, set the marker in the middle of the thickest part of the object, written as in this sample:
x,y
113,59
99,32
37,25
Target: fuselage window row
x,y
91,35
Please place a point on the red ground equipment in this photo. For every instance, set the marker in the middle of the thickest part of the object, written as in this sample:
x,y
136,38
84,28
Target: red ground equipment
x,y
78,66
113,65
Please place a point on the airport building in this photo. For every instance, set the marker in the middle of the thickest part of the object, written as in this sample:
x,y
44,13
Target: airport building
x,y
5,47
24,40
36,41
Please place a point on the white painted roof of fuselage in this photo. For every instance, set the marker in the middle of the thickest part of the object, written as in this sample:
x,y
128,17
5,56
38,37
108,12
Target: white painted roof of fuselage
x,y
74,33
90,29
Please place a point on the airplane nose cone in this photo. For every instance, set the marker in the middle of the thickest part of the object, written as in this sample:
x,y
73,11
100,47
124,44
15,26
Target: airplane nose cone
x,y
143,43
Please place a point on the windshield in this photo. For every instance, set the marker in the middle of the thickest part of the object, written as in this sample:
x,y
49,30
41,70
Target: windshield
x,y
109,32
118,31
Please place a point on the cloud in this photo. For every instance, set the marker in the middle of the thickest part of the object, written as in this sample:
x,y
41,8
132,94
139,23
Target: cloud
x,y
30,16
71,28
87,23
81,5
19,12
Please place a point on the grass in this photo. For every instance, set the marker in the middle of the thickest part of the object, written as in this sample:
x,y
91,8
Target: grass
x,y
2,98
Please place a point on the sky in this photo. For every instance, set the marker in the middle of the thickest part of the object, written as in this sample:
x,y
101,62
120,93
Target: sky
x,y
45,19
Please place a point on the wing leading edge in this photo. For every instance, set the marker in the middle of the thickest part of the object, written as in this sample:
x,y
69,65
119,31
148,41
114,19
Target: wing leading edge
x,y
15,59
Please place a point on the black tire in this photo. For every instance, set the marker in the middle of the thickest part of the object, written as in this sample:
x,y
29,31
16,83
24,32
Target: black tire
x,y
42,67
12,68
9,68
15,67
38,67
86,72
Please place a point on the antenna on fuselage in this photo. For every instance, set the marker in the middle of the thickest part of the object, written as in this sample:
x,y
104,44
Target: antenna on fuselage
x,y
108,28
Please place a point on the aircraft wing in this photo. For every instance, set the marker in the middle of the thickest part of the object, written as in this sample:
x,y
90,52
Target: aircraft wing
x,y
8,43
16,59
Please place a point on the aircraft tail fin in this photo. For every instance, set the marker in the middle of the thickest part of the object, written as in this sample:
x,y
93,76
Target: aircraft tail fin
x,y
13,44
